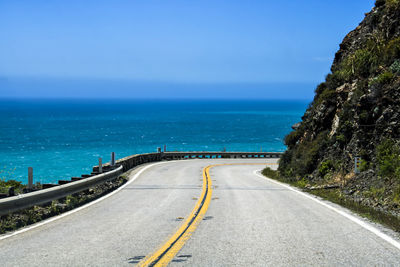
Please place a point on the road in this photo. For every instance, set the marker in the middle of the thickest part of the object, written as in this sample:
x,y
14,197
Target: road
x,y
249,220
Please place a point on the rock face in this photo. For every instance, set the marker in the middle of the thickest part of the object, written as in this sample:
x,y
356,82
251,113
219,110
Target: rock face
x,y
355,112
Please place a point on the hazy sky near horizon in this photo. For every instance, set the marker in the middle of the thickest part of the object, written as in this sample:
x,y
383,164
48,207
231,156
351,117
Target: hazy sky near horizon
x,y
244,43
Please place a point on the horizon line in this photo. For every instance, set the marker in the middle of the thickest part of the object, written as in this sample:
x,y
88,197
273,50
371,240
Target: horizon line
x,y
152,98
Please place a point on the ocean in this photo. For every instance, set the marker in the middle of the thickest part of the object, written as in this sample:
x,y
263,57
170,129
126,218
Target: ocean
x,y
65,138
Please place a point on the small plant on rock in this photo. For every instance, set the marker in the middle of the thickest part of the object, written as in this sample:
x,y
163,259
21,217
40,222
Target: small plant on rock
x,y
388,157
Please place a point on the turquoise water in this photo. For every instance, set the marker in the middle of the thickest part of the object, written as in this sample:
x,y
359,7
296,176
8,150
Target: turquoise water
x,y
64,138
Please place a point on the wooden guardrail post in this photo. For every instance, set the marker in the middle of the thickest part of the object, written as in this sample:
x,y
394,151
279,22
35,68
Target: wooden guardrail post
x,y
30,178
112,163
100,165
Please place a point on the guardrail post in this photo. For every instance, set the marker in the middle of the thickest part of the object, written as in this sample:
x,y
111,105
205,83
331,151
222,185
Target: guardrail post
x,y
112,159
30,178
165,148
100,165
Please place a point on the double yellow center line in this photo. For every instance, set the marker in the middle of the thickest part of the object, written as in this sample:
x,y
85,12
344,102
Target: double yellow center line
x,y
167,252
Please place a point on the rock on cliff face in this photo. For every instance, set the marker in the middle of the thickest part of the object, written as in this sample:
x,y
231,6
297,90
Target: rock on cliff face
x,y
356,111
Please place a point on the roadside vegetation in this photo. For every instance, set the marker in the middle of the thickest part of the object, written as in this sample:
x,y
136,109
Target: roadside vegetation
x,y
6,182
13,221
335,194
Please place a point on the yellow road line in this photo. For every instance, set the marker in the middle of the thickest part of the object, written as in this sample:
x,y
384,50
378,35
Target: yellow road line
x,y
167,252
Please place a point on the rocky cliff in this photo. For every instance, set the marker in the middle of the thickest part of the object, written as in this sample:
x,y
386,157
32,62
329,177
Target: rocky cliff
x,y
355,112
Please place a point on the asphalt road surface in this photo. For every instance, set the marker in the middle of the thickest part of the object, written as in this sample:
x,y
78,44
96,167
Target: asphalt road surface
x,y
249,221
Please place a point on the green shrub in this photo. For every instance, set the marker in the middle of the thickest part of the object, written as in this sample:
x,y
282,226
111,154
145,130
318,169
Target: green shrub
x,y
5,185
6,182
345,129
365,165
33,215
364,115
382,79
395,67
292,138
310,158
285,164
365,61
375,193
388,158
304,158
320,88
328,95
333,80
341,139
392,51
360,64
396,194
268,172
55,208
325,167
392,3
302,183
346,70
71,201
7,225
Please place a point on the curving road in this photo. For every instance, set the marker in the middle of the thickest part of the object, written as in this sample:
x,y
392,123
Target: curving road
x,y
250,220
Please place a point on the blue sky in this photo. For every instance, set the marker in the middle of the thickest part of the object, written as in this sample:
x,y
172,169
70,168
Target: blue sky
x,y
178,49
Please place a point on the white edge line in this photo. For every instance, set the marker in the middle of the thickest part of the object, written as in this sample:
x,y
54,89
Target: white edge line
x,y
82,207
363,224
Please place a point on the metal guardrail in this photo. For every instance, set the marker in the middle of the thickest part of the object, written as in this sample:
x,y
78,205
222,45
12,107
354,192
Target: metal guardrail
x,y
19,202
11,204
213,155
134,160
